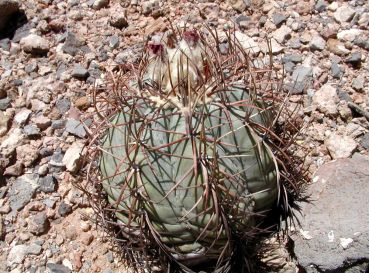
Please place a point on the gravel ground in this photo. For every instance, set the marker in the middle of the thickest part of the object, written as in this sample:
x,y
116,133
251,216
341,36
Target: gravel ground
x,y
53,52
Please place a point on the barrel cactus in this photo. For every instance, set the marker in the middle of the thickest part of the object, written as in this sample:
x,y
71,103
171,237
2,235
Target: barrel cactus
x,y
185,152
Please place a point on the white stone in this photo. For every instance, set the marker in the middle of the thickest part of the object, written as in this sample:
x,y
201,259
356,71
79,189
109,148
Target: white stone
x,y
276,48
317,43
333,6
98,4
4,124
340,146
34,44
305,234
238,5
346,242
282,34
72,156
326,100
247,43
22,117
15,138
68,264
344,14
19,252
349,34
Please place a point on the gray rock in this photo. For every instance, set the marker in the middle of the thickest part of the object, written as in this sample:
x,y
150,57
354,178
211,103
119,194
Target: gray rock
x,y
262,20
343,95
64,209
302,73
321,5
354,59
38,224
80,72
361,42
58,124
295,87
99,4
58,268
317,43
45,152
295,43
243,21
57,159
294,58
35,44
49,202
358,83
32,67
22,190
224,48
113,41
5,104
31,130
5,44
47,184
7,8
336,70
288,67
76,128
17,82
19,252
334,231
278,19
365,141
109,256
74,45
118,21
344,14
62,105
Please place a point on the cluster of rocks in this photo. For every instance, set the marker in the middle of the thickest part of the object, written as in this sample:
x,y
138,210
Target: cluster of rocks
x,y
51,63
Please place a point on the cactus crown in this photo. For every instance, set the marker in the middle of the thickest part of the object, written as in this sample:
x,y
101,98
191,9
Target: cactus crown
x,y
187,152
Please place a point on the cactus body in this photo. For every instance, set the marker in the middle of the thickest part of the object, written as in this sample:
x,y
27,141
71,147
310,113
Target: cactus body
x,y
175,192
186,168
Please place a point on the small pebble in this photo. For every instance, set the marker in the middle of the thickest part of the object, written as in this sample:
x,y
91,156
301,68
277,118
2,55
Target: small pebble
x,y
64,209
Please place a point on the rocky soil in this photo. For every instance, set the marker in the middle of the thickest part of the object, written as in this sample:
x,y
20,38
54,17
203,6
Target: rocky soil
x,y
54,52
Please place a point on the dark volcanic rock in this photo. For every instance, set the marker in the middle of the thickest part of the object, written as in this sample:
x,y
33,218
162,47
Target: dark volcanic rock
x,y
80,72
278,18
334,232
4,104
365,141
57,268
64,209
74,45
38,223
23,190
47,184
76,128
